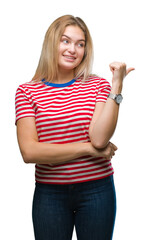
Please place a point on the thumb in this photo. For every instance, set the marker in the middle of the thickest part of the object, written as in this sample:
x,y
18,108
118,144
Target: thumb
x,y
129,70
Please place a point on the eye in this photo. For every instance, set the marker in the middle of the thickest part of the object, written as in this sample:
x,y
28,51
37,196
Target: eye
x,y
81,45
65,41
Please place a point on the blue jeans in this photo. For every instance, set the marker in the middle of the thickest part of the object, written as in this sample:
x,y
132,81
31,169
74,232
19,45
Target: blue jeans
x,y
90,207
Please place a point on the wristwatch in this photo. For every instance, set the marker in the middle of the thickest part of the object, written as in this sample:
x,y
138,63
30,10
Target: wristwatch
x,y
116,97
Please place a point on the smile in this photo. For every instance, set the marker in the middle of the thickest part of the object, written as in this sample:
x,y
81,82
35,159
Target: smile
x,y
69,57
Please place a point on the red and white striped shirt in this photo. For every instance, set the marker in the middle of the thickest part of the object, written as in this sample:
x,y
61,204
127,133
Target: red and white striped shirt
x,y
63,113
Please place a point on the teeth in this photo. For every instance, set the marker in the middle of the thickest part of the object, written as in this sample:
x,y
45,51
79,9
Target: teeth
x,y
69,57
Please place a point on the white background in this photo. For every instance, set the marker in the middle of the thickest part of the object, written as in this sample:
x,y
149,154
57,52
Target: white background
x,y
120,32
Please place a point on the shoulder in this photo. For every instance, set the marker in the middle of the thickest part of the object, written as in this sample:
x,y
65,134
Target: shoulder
x,y
29,86
96,80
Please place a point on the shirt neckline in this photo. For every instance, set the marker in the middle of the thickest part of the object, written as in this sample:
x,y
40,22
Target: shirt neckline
x,y
58,84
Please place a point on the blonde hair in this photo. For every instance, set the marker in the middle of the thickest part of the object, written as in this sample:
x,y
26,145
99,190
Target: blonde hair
x,y
48,64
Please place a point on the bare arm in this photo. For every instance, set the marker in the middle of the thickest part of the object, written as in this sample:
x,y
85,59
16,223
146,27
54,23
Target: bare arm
x,y
103,123
105,115
34,151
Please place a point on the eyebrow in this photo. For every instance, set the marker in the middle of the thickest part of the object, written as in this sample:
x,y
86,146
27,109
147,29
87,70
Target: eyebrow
x,y
70,38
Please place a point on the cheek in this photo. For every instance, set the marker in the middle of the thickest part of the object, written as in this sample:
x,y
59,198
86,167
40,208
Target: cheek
x,y
60,49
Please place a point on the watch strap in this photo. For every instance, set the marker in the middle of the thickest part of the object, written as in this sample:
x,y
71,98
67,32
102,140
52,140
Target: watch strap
x,y
112,96
116,97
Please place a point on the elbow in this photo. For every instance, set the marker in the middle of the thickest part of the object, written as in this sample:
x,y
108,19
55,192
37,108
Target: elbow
x,y
99,144
27,156
29,152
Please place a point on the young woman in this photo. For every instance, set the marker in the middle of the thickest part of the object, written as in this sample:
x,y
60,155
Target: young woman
x,y
65,119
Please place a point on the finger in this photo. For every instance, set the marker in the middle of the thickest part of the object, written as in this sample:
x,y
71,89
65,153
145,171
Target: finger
x,y
112,153
113,67
117,65
129,70
114,147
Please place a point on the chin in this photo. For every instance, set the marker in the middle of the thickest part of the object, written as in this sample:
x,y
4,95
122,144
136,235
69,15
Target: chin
x,y
68,66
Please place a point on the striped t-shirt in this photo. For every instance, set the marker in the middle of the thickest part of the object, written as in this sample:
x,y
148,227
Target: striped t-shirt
x,y
63,113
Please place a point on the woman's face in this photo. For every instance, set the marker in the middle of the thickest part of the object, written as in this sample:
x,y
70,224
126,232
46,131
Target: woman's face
x,y
71,48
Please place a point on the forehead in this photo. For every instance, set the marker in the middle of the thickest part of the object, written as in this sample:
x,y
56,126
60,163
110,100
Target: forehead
x,y
74,32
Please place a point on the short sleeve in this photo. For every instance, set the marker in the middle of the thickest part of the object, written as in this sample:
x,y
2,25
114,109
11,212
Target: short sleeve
x,y
23,104
104,89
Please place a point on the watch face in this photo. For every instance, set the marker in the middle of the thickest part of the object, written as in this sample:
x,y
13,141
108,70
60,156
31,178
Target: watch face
x,y
119,98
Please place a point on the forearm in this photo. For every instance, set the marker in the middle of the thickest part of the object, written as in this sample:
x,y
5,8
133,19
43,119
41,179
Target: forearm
x,y
105,125
45,153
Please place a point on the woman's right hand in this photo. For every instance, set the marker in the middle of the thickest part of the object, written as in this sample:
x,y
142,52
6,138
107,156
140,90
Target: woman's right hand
x,y
108,152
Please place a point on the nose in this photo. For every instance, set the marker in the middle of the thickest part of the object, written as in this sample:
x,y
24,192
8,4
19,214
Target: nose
x,y
72,48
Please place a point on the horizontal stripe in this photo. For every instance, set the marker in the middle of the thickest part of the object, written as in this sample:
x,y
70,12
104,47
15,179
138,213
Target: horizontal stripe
x,y
74,170
63,115
78,180
84,161
73,175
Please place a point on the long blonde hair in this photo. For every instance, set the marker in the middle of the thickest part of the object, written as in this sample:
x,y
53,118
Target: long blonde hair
x,y
48,64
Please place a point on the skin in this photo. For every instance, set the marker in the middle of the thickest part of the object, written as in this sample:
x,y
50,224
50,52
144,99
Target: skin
x,y
71,52
106,114
71,49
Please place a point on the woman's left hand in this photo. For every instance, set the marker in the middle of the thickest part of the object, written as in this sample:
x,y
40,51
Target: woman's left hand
x,y
119,71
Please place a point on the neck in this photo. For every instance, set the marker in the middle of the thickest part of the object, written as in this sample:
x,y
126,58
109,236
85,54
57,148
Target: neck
x,y
64,77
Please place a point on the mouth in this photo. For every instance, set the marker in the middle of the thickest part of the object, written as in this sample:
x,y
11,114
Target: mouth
x,y
69,58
